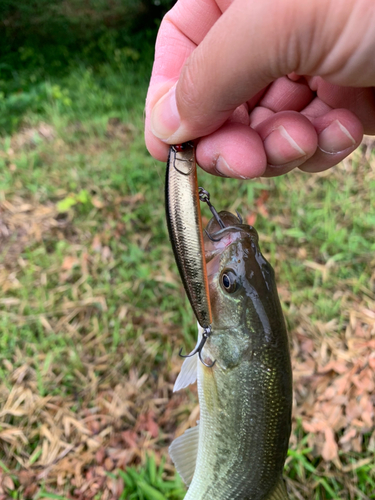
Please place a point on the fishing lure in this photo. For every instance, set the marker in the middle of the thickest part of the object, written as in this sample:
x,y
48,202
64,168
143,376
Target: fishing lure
x,y
182,197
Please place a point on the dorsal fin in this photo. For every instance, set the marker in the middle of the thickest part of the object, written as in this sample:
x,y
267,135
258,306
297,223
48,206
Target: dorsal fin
x,y
184,451
188,373
279,493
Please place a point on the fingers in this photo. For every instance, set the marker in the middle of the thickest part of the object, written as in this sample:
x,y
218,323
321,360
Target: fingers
x,y
235,150
339,133
280,143
285,94
211,57
289,140
157,148
360,101
236,59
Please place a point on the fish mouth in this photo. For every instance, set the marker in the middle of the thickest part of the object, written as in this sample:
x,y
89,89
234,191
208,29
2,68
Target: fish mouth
x,y
217,238
227,218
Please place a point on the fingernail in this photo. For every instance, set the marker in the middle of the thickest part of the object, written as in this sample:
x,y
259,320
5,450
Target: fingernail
x,y
335,138
223,169
281,148
165,119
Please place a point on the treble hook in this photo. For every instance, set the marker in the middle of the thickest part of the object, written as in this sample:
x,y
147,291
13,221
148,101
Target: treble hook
x,y
210,237
205,197
206,333
240,219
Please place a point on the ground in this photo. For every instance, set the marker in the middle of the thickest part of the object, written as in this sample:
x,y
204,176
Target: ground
x,y
93,313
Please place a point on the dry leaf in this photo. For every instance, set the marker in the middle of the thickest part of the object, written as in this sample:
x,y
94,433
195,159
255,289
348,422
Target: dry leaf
x,y
330,448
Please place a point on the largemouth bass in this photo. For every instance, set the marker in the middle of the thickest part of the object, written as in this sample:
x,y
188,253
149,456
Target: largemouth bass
x,y
238,449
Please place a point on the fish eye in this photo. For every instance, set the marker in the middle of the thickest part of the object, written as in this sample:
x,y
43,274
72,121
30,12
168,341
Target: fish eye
x,y
229,281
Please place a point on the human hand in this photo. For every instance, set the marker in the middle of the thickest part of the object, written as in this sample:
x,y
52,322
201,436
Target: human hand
x,y
264,86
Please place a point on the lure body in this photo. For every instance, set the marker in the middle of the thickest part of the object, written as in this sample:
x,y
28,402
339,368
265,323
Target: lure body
x,y
238,450
185,228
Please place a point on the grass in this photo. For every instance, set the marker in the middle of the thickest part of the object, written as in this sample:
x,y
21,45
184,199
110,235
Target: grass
x,y
148,483
93,312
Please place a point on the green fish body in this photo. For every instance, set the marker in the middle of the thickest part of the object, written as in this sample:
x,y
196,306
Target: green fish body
x,y
239,448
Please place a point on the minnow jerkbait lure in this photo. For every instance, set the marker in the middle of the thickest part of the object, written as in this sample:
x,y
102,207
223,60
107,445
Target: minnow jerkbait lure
x,y
185,232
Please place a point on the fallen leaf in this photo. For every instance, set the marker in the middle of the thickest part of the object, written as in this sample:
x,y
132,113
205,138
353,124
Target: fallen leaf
x,y
69,262
330,448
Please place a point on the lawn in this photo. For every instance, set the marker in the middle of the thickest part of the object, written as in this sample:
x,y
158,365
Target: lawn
x,y
93,313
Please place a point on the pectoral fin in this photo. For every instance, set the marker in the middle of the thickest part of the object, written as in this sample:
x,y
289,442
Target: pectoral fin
x,y
184,451
189,368
188,373
279,493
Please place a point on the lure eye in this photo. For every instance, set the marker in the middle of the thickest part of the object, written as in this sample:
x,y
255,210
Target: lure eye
x,y
229,281
181,147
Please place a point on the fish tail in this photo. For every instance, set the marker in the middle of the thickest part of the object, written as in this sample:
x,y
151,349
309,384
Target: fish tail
x,y
279,492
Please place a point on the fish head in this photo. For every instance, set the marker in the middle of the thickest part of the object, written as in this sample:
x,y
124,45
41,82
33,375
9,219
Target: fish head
x,y
243,293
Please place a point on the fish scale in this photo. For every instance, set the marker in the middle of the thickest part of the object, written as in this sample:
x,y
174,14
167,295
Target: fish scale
x,y
233,443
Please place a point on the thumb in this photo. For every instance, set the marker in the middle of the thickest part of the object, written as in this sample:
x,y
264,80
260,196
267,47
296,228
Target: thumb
x,y
252,44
